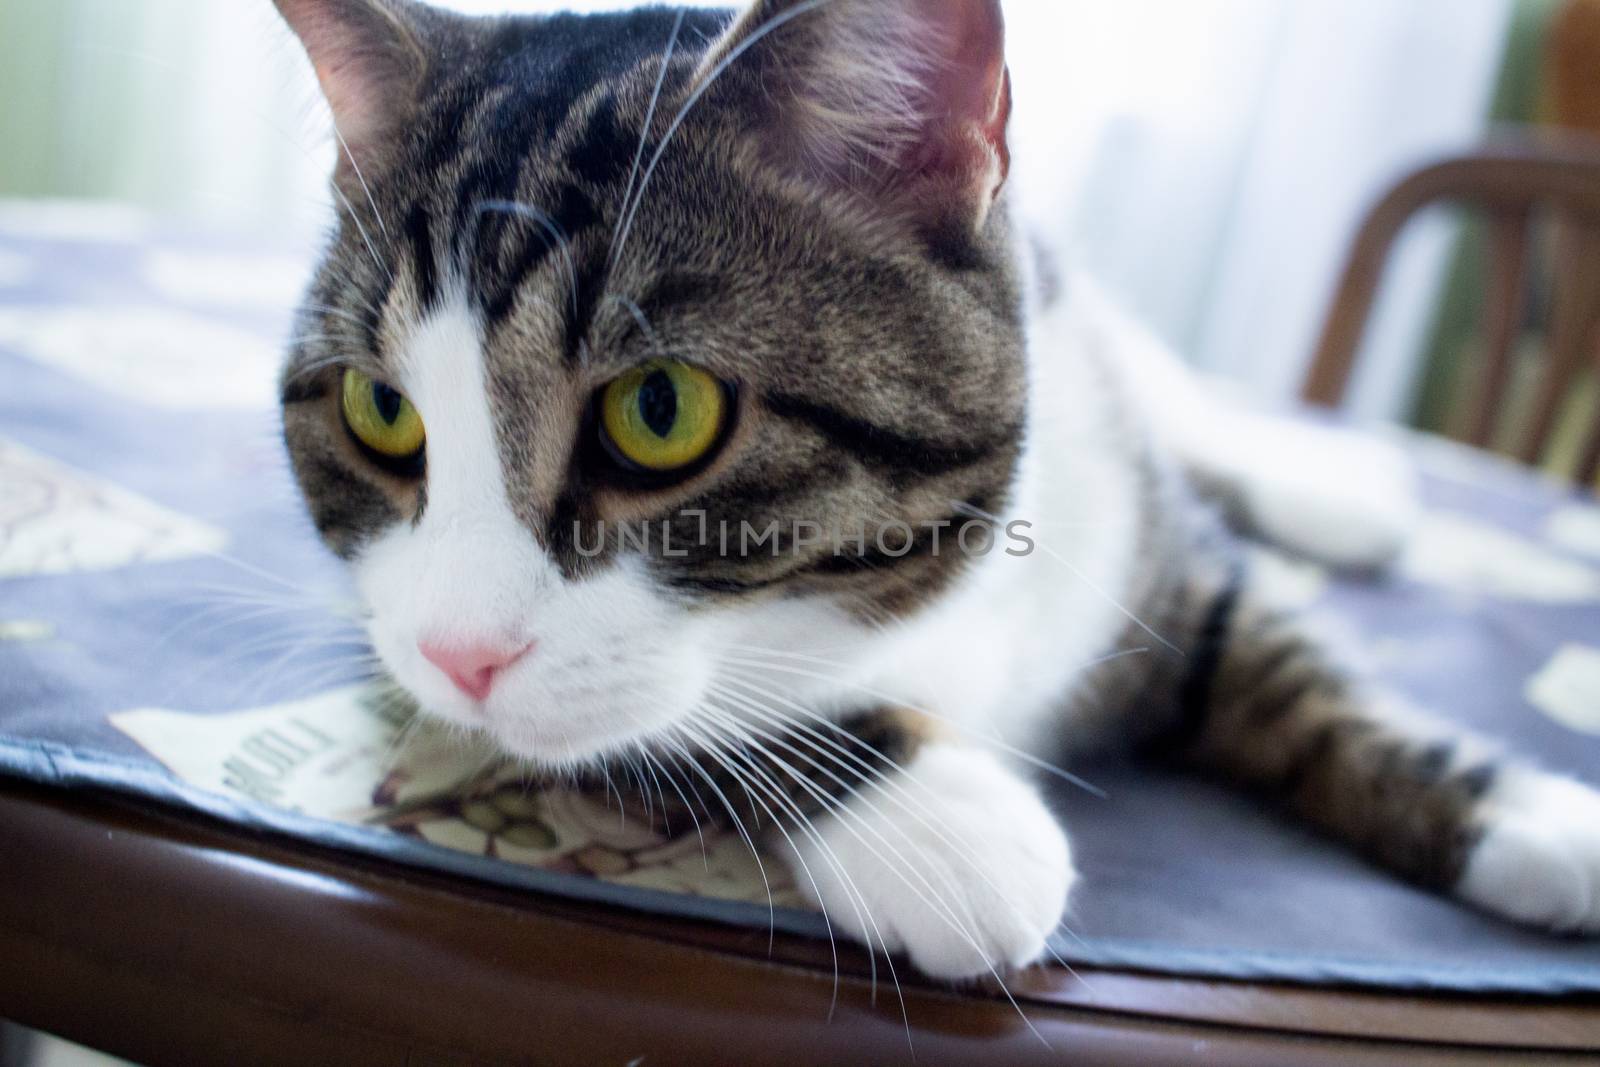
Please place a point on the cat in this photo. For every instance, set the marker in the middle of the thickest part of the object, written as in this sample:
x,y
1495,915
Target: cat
x,y
681,272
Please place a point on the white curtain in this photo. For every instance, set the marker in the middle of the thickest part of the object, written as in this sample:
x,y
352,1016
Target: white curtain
x,y
1207,158
1211,159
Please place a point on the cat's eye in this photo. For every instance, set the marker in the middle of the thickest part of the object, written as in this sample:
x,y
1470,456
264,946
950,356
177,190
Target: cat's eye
x,y
663,417
381,419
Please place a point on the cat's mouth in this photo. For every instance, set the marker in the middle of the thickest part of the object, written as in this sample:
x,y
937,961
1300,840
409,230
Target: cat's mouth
x,y
560,723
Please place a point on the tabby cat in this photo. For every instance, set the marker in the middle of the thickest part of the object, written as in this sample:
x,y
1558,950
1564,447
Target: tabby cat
x,y
610,294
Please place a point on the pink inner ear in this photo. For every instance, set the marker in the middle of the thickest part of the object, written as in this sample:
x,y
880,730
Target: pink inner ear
x,y
976,64
365,60
354,97
994,131
973,85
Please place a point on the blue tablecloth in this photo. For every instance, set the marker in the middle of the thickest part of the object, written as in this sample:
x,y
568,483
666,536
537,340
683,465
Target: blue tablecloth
x,y
167,627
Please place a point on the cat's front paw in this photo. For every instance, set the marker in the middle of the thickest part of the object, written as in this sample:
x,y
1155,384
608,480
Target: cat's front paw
x,y
1538,861
957,863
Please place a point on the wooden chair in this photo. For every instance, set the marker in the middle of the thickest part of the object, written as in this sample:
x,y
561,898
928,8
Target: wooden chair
x,y
1517,186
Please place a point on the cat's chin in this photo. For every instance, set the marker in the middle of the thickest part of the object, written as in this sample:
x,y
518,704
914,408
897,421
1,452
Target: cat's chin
x,y
558,748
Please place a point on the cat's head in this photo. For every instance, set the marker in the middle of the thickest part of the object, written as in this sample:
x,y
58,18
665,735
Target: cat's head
x,y
614,299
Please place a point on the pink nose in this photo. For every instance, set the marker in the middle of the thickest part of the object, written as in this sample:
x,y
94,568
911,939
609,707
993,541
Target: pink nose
x,y
472,667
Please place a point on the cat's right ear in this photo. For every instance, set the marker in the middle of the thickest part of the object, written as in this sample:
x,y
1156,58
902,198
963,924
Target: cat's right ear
x,y
903,103
370,57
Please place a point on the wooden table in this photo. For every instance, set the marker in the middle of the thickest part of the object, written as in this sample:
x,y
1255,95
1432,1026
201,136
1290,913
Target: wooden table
x,y
170,939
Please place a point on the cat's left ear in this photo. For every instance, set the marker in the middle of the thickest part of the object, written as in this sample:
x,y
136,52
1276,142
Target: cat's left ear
x,y
370,57
905,102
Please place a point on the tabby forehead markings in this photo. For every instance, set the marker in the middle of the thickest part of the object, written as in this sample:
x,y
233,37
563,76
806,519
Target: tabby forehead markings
x,y
591,284
419,233
545,235
600,156
594,167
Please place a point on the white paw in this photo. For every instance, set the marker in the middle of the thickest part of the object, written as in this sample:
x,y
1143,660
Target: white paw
x,y
961,866
1539,860
1338,498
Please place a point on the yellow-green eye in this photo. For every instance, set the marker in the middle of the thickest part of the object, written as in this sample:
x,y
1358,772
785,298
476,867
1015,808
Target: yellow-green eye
x,y
381,418
664,416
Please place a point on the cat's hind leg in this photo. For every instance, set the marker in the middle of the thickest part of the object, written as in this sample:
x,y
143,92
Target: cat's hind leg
x,y
1277,714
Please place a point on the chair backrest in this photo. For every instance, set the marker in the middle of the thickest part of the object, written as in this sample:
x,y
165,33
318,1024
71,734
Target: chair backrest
x,y
1515,186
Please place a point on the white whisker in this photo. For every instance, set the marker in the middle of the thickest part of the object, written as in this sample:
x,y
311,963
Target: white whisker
x,y
1076,572
344,147
760,660
553,233
727,61
772,909
857,901
644,132
886,785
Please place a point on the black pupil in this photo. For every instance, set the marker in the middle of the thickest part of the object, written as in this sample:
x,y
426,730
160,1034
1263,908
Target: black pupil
x,y
658,403
387,401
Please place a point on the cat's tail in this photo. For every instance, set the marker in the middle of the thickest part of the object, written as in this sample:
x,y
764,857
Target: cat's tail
x,y
1269,706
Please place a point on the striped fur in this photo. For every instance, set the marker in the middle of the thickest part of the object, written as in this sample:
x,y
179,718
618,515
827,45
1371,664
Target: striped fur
x,y
1268,707
805,201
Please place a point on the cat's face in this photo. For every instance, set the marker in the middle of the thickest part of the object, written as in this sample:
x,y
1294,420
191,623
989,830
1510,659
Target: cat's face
x,y
557,386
